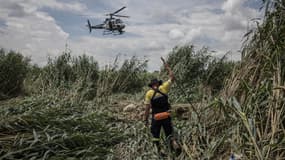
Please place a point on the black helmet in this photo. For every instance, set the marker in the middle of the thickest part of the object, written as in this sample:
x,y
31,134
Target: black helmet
x,y
154,81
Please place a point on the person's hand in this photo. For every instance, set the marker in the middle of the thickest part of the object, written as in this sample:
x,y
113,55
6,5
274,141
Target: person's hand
x,y
162,60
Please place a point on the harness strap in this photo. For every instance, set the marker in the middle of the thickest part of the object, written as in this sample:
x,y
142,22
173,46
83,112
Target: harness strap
x,y
157,91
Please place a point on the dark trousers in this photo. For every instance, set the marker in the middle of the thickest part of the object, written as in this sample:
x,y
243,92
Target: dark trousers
x,y
156,127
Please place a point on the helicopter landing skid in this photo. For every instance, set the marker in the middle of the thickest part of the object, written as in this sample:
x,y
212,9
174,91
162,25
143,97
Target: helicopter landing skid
x,y
113,32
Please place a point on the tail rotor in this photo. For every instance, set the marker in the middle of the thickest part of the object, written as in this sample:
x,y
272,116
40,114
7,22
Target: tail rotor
x,y
89,26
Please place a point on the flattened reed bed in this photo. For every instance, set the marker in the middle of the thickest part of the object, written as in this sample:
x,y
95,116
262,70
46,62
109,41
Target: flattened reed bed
x,y
50,128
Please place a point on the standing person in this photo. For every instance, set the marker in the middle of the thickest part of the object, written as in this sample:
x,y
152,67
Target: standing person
x,y
157,99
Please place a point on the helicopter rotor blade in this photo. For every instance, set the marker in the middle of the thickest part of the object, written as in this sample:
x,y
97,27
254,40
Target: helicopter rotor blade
x,y
119,10
121,16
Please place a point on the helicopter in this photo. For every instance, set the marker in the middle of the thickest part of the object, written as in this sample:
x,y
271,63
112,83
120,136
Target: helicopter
x,y
111,25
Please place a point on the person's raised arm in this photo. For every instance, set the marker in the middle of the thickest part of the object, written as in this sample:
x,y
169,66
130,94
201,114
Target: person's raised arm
x,y
170,73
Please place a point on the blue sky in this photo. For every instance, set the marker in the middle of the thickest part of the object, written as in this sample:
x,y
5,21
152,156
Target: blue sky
x,y
42,28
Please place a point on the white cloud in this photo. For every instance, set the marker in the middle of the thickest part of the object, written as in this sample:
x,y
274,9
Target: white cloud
x,y
55,4
176,34
34,33
192,34
233,6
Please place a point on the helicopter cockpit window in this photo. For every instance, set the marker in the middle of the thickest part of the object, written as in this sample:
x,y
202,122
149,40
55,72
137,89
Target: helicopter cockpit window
x,y
118,21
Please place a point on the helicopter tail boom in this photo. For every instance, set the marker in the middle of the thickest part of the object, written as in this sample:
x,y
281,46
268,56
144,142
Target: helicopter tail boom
x,y
99,26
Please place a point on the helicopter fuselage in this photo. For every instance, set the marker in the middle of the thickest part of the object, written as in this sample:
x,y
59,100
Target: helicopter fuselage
x,y
114,24
111,25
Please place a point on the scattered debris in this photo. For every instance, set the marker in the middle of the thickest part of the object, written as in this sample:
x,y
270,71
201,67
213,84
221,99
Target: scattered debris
x,y
130,108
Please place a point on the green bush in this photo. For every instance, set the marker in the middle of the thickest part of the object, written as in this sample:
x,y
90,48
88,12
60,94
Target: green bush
x,y
189,68
67,73
13,71
130,77
197,72
217,72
